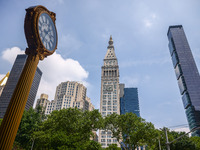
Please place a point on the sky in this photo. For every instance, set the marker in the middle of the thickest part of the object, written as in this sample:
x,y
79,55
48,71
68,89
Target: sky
x,y
139,31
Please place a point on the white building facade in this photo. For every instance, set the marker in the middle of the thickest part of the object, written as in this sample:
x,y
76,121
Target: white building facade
x,y
69,94
43,101
110,100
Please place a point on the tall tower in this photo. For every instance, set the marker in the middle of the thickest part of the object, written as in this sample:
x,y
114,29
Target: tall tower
x,y
187,75
109,102
12,82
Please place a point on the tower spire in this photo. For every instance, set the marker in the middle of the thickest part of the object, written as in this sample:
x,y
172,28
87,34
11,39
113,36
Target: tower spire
x,y
110,42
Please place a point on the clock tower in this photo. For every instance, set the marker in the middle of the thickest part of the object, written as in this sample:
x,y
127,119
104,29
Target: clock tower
x,y
110,101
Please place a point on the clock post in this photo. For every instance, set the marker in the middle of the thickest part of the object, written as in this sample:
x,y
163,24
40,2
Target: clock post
x,y
41,36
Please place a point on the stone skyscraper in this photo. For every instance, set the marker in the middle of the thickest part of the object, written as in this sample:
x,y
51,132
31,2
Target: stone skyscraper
x,y
70,94
109,101
43,101
12,82
187,75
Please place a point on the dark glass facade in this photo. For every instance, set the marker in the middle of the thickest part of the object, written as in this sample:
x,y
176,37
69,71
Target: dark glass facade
x,y
12,82
187,75
129,101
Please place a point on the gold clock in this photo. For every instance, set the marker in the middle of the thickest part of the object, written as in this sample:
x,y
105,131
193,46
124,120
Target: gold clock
x,y
40,31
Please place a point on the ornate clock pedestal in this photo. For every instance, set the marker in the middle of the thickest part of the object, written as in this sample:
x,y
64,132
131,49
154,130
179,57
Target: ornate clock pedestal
x,y
41,36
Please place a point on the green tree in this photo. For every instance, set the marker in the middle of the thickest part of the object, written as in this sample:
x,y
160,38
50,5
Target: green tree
x,y
196,140
68,129
133,131
30,122
113,147
184,143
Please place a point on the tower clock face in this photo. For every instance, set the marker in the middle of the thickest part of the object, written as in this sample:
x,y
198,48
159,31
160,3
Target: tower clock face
x,y
47,32
109,88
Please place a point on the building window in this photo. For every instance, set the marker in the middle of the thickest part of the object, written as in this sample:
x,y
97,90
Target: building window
x,y
171,46
178,71
175,59
182,84
186,100
114,103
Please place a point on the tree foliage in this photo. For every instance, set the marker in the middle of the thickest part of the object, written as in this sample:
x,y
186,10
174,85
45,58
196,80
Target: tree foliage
x,y
131,131
72,129
30,123
184,143
68,128
113,147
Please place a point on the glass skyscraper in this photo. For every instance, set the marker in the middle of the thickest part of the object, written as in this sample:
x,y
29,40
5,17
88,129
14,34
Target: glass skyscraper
x,y
12,82
187,75
129,101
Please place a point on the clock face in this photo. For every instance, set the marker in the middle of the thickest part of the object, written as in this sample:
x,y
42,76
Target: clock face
x,y
47,32
109,88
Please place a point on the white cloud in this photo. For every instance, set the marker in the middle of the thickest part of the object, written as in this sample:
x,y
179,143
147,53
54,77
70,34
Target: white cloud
x,y
153,16
10,54
149,21
55,70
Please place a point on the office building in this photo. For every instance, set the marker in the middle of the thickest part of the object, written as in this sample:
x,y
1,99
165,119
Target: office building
x,y
12,82
43,101
88,105
109,100
69,94
129,101
187,75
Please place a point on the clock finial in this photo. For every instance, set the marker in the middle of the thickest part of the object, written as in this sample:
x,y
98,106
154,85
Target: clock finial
x,y
110,42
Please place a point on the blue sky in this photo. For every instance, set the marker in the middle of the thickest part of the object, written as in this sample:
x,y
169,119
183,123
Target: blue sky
x,y
139,31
